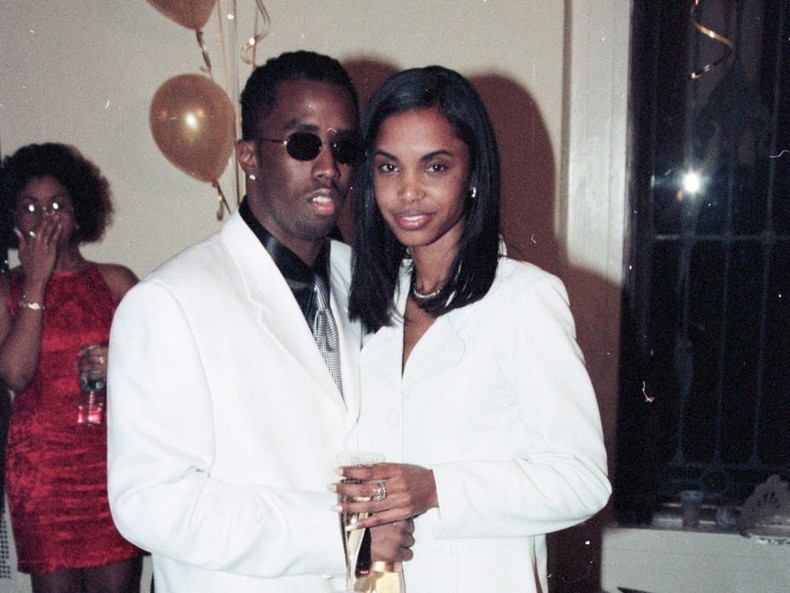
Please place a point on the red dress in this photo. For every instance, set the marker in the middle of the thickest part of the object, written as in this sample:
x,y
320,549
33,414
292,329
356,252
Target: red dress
x,y
56,469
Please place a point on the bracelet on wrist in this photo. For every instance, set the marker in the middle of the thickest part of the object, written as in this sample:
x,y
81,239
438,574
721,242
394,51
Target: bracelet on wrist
x,y
33,305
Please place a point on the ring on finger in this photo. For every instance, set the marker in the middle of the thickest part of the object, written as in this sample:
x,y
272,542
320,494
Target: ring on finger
x,y
381,491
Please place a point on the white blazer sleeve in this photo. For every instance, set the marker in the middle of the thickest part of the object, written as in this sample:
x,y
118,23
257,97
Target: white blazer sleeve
x,y
558,477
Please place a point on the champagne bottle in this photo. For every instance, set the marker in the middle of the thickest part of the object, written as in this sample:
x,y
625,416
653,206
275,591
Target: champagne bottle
x,y
383,577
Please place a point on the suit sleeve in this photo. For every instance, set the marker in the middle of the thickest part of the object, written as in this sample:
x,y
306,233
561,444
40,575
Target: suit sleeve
x,y
559,476
161,447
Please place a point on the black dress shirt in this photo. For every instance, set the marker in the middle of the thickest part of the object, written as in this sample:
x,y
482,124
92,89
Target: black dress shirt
x,y
299,276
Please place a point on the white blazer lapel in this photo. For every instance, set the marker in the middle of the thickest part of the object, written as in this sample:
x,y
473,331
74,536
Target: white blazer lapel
x,y
349,333
279,315
439,349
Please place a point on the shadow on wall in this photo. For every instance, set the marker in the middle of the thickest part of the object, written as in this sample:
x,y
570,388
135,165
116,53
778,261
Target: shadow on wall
x,y
528,171
368,75
575,553
529,182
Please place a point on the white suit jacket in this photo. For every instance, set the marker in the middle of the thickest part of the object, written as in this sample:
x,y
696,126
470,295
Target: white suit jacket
x,y
224,422
496,400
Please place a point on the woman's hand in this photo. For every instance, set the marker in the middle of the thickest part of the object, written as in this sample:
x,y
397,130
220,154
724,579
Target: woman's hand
x,y
390,492
92,361
38,253
21,337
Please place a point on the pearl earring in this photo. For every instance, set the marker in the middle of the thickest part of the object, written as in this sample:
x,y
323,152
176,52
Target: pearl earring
x,y
252,177
473,192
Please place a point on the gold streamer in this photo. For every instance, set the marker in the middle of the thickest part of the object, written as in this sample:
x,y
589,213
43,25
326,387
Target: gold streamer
x,y
223,44
713,35
221,201
232,76
204,49
248,51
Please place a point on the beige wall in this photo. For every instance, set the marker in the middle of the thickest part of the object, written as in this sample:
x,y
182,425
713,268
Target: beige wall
x,y
553,74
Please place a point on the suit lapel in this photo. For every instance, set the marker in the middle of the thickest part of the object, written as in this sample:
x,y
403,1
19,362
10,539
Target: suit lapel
x,y
349,334
278,314
438,350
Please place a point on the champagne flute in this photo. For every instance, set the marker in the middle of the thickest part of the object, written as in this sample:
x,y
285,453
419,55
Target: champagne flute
x,y
353,538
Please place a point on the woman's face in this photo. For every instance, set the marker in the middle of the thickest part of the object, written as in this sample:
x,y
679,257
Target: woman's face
x,y
43,200
421,178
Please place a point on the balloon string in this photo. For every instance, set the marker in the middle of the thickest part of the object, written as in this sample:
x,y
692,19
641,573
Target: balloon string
x,y
222,43
222,202
248,50
232,79
204,49
713,35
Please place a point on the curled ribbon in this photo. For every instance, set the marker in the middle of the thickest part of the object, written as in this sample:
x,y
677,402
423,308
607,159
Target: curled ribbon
x,y
204,49
221,201
713,35
248,50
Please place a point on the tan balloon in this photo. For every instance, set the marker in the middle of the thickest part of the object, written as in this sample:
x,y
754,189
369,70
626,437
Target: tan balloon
x,y
194,125
192,14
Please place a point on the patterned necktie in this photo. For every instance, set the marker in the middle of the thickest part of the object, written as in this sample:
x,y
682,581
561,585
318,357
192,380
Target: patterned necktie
x,y
325,332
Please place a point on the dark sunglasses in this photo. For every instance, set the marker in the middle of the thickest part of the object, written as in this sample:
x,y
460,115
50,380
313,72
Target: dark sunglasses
x,y
305,146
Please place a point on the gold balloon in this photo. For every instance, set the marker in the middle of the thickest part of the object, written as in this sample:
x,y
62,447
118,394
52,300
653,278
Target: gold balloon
x,y
194,125
192,14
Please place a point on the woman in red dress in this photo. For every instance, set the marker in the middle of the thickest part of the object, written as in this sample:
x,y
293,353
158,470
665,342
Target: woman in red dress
x,y
51,307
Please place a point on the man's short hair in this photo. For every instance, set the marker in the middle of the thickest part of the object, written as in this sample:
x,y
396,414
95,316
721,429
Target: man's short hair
x,y
260,93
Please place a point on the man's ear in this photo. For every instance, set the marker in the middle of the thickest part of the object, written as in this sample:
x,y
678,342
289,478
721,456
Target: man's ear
x,y
247,155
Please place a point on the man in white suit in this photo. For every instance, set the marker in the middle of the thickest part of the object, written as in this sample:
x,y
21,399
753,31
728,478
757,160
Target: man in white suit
x,y
224,417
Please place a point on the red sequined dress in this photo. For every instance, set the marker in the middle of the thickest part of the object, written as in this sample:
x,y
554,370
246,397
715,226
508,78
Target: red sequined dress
x,y
56,469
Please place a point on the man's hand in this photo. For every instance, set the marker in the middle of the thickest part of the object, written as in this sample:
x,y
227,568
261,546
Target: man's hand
x,y
392,542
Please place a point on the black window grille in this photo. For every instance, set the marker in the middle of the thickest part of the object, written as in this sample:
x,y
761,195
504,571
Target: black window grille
x,y
705,362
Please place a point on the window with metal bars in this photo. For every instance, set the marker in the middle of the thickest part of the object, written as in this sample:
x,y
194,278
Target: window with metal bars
x,y
705,361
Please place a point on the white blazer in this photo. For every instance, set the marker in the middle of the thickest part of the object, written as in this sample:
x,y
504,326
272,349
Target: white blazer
x,y
496,400
224,422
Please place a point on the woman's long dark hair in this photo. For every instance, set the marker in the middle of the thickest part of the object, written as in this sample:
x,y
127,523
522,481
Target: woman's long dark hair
x,y
377,252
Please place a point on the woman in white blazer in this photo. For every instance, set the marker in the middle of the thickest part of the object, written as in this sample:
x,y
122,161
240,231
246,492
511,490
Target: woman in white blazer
x,y
473,385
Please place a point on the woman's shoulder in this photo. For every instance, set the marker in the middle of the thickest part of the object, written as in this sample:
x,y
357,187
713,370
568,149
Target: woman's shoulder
x,y
119,278
340,260
340,251
514,275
